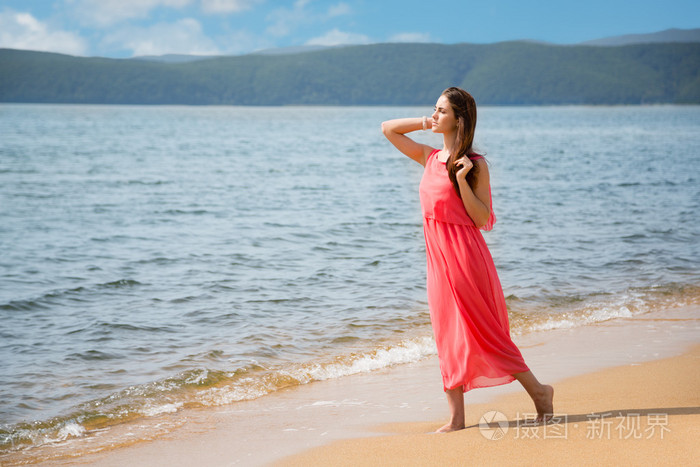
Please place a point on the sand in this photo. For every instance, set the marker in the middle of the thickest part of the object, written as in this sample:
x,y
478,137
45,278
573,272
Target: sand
x,y
646,414
627,391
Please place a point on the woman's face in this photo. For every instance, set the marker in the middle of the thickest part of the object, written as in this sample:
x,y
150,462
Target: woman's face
x,y
444,120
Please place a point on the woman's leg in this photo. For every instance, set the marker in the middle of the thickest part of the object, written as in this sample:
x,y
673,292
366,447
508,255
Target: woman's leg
x,y
542,394
455,399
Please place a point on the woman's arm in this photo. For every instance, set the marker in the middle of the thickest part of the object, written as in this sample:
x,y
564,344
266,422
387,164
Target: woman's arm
x,y
395,131
476,201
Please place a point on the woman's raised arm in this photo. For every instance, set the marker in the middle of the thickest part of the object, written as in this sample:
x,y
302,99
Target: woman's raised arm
x,y
395,131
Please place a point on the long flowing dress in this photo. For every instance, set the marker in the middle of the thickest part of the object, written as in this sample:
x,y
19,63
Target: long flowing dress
x,y
467,306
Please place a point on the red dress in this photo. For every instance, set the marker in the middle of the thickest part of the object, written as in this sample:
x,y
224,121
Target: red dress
x,y
467,305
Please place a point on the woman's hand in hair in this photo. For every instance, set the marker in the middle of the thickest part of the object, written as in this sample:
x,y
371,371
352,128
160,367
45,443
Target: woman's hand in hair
x,y
476,200
463,165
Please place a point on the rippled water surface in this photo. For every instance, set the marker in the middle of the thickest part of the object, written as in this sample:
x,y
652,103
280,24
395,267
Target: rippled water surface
x,y
155,258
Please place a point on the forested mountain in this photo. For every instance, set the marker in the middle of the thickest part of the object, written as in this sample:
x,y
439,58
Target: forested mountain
x,y
668,35
508,73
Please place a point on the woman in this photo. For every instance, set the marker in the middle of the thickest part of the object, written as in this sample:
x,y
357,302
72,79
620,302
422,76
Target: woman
x,y
467,306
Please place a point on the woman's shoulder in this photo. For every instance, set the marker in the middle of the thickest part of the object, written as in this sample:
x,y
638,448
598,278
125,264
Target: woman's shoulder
x,y
430,153
479,161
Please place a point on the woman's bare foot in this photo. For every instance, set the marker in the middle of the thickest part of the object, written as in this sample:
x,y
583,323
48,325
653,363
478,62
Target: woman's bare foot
x,y
542,395
449,428
544,403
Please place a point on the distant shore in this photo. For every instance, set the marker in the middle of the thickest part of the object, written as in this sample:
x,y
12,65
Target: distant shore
x,y
368,75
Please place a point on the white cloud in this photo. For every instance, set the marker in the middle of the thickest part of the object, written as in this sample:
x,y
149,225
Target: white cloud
x,y
338,10
23,31
227,6
336,37
410,37
106,12
182,37
283,21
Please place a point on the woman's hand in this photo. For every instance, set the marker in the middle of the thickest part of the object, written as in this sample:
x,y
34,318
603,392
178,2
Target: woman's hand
x,y
464,165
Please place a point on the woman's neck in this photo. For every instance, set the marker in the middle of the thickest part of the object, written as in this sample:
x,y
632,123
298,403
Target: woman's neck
x,y
448,142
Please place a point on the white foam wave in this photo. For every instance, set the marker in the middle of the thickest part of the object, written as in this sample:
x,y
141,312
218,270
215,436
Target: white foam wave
x,y
626,306
246,389
405,352
70,430
257,386
151,411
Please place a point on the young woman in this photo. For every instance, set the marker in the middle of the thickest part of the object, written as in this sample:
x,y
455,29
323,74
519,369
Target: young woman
x,y
467,305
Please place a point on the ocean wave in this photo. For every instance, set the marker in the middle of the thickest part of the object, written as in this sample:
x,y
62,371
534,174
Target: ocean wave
x,y
39,435
49,299
565,312
205,388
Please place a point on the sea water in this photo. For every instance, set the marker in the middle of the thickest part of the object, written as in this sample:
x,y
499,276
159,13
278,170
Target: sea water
x,y
158,258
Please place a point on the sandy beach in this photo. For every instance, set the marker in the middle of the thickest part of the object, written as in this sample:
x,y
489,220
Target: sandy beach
x,y
644,414
626,392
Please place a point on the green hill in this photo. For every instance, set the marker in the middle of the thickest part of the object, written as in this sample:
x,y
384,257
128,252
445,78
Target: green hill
x,y
510,73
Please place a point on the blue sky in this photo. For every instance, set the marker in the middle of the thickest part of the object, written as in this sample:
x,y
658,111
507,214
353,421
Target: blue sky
x,y
126,28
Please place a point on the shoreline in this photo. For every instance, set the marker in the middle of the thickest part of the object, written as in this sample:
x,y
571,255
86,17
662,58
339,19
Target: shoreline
x,y
324,415
608,417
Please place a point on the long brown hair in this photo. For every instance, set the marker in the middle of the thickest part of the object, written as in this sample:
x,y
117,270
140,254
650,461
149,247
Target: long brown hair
x,y
464,108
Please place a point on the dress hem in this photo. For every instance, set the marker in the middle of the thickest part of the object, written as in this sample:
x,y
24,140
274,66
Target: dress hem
x,y
481,386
